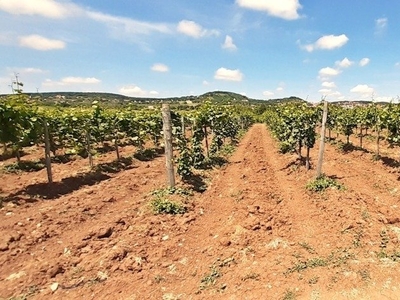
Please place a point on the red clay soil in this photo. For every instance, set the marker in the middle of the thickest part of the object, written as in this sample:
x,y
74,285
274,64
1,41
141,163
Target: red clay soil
x,y
255,233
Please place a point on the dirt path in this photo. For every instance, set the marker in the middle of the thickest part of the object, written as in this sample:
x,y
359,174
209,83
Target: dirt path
x,y
256,233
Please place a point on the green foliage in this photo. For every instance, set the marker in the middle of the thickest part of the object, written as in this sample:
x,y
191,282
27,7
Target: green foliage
x,y
161,204
26,166
322,183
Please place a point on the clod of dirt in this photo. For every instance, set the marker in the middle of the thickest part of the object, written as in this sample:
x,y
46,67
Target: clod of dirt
x,y
225,242
54,270
393,220
103,232
3,246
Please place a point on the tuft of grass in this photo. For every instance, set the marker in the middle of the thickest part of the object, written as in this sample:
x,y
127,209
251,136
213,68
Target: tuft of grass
x,y
289,295
307,247
210,279
322,183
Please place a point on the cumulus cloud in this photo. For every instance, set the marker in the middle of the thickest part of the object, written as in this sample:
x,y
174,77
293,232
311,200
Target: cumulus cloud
x,y
345,63
365,61
285,9
380,25
279,89
133,91
325,91
268,93
192,29
328,71
154,93
229,75
45,8
328,84
328,42
40,43
66,81
362,89
228,44
160,68
205,82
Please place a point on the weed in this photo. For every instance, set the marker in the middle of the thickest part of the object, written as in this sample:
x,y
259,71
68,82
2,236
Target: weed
x,y
357,239
365,215
161,204
334,259
289,295
227,149
158,278
210,279
322,183
384,239
307,247
26,166
145,154
365,275
313,280
166,206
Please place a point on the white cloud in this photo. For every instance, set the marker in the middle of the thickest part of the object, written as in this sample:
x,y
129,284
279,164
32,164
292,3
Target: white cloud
x,y
328,42
380,25
228,44
345,63
286,9
383,99
154,93
328,84
325,91
194,30
268,93
229,75
133,91
279,89
328,71
362,89
205,82
160,68
45,8
397,64
126,26
41,43
67,81
26,71
365,61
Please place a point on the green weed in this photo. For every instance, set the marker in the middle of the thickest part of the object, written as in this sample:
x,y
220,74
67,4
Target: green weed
x,y
322,183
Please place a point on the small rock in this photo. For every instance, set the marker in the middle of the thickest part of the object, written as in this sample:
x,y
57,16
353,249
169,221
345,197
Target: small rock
x,y
54,286
9,213
110,199
104,232
3,247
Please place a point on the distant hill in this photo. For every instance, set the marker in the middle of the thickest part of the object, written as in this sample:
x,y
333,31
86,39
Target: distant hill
x,y
115,100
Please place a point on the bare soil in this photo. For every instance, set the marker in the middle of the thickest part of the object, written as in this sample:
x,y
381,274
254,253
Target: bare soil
x,y
255,233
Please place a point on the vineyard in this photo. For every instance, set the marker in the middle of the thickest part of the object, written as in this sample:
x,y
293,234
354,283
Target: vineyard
x,y
87,212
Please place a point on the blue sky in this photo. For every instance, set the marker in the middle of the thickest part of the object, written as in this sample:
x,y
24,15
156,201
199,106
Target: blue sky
x,y
341,50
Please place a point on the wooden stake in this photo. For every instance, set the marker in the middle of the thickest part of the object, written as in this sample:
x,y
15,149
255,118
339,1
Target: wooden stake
x,y
47,152
169,156
322,142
